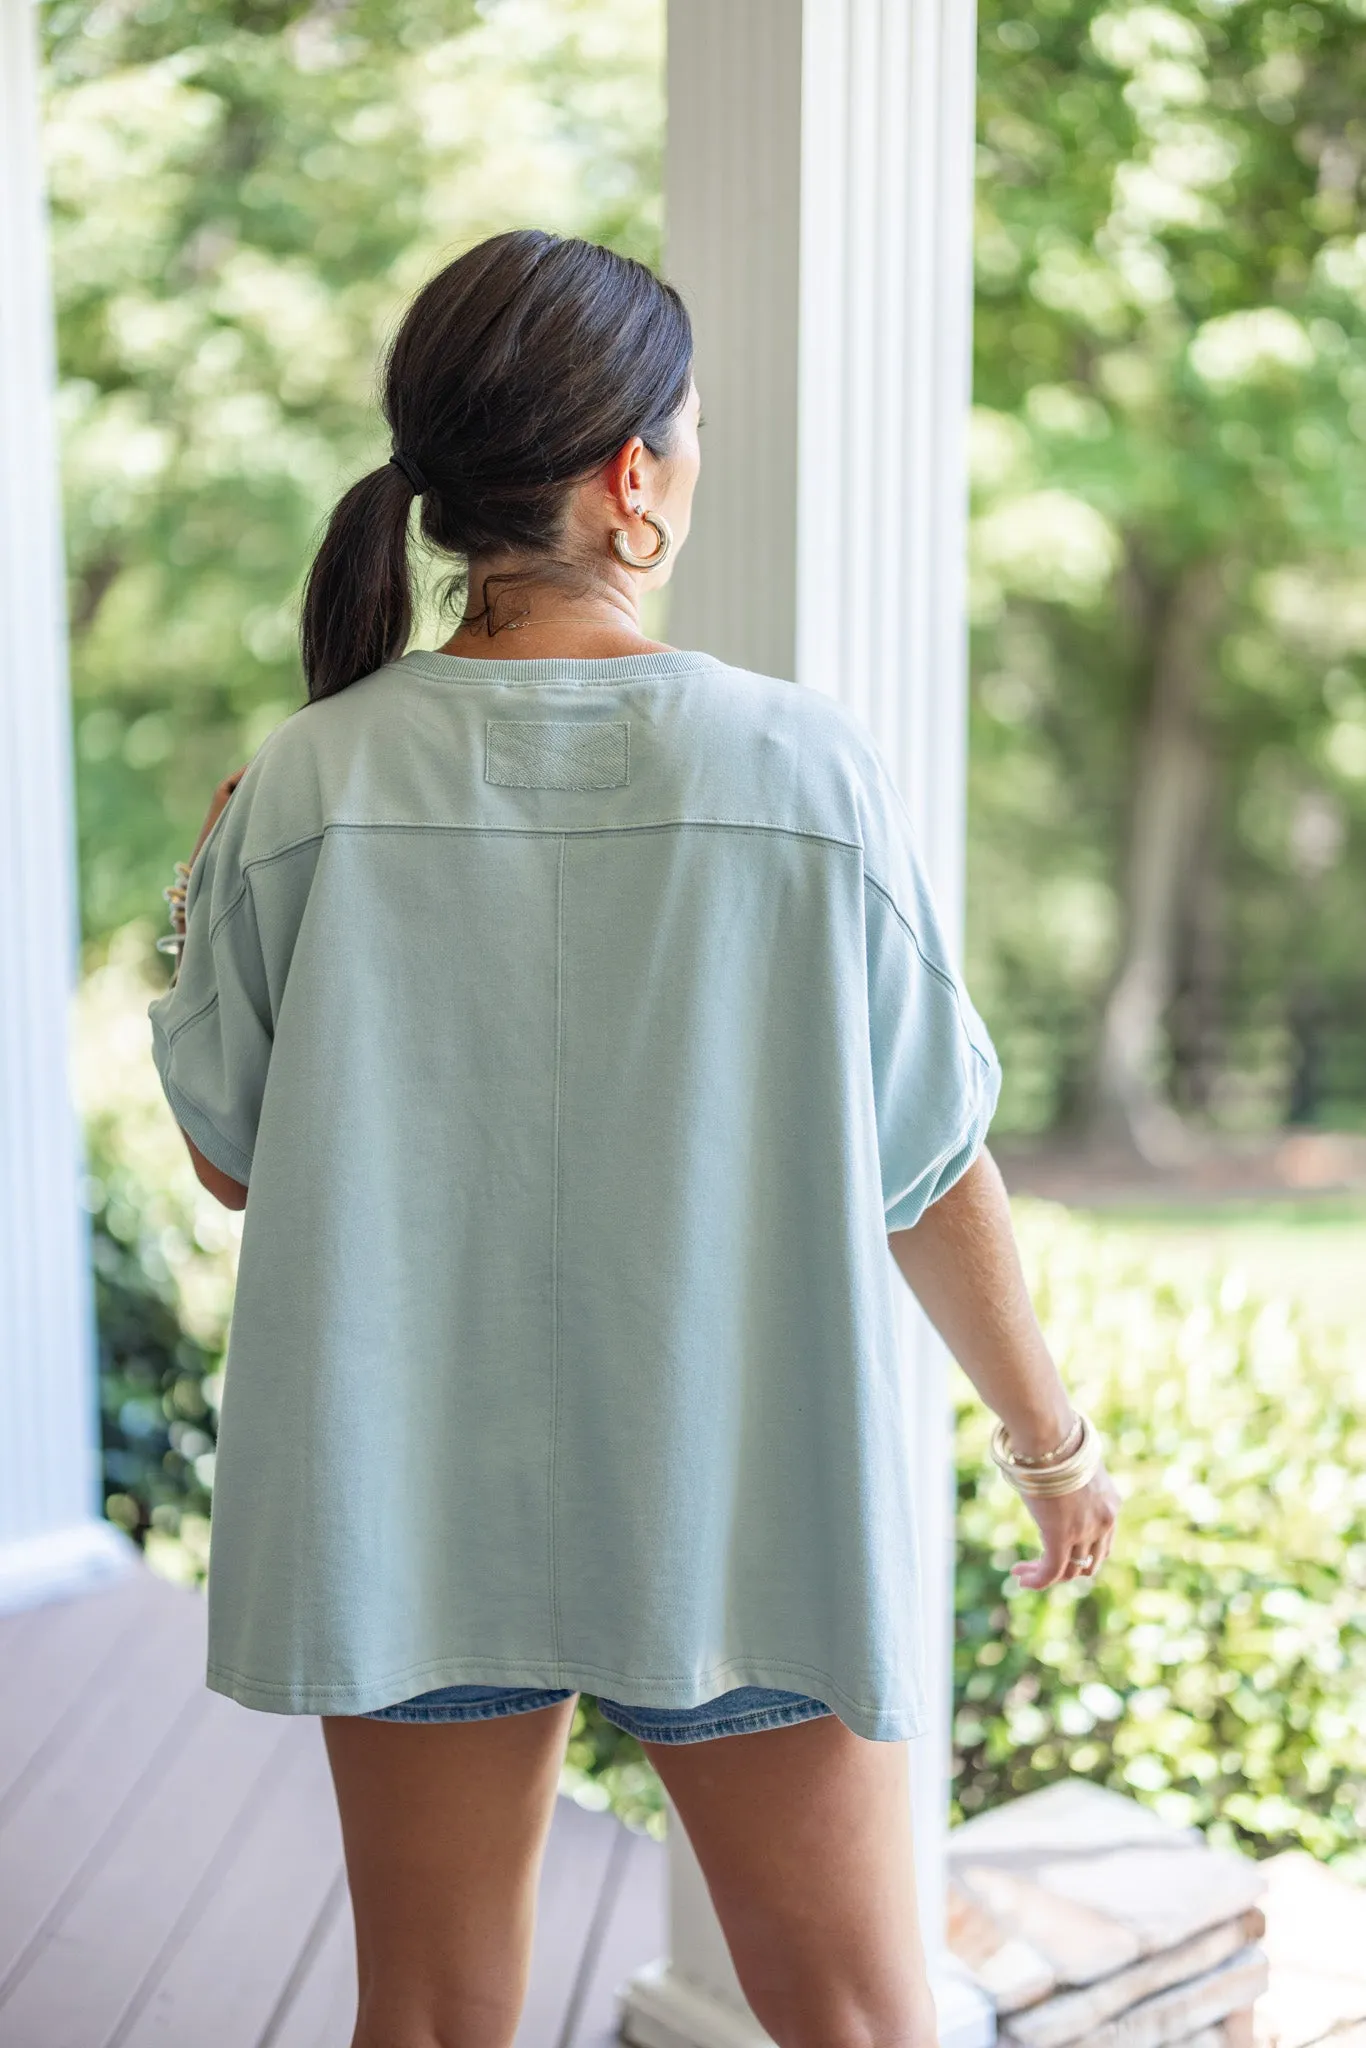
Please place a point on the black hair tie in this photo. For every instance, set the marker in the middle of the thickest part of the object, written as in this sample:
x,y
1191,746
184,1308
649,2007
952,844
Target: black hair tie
x,y
407,468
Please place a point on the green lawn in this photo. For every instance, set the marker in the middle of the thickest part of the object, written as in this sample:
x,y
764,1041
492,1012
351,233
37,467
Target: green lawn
x,y
1312,1249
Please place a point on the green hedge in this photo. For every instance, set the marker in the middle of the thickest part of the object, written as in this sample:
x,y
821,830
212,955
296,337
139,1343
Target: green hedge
x,y
1217,1670
157,1383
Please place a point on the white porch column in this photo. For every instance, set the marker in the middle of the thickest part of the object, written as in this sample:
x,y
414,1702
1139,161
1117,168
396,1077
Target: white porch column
x,y
819,189
52,1538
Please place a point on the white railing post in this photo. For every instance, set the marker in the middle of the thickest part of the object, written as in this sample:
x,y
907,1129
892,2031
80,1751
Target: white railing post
x,y
818,205
52,1538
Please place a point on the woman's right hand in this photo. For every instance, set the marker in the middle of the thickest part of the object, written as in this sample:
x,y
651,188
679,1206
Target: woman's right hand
x,y
962,1263
1075,1527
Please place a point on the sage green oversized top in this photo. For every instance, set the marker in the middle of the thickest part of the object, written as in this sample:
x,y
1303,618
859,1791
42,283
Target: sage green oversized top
x,y
581,1028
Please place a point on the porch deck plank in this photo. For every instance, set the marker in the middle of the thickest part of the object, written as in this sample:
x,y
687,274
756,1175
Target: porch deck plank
x,y
171,1866
229,1977
635,1931
55,1662
577,1866
17,1631
87,1967
321,2011
68,1811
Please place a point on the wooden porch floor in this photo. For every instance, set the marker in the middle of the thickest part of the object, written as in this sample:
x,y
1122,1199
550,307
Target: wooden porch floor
x,y
171,1866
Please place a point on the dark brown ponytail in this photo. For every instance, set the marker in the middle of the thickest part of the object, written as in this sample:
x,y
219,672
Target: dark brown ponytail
x,y
518,369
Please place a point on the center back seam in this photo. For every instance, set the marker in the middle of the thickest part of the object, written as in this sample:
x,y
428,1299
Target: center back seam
x,y
555,1253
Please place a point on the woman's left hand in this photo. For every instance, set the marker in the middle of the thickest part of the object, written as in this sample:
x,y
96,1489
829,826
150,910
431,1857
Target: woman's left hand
x,y
217,804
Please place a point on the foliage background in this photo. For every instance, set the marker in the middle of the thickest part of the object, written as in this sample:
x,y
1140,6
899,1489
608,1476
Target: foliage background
x,y
1168,803
1170,735
243,200
1216,1669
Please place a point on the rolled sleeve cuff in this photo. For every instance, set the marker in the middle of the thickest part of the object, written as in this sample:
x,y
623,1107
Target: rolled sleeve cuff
x,y
220,1151
936,1181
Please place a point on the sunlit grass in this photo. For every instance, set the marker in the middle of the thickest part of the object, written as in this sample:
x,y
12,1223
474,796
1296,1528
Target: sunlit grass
x,y
1310,1248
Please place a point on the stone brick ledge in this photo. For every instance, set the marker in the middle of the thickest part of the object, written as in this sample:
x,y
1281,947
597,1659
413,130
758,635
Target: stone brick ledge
x,y
1093,1924
1316,1946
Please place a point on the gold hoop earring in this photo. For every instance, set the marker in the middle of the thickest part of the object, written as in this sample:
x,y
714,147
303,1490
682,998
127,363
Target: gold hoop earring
x,y
621,546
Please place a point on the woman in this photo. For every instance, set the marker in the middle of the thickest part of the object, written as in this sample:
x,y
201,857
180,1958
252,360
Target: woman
x,y
575,1009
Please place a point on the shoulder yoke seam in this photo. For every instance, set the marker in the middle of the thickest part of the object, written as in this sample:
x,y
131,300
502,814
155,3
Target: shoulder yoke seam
x,y
931,966
259,860
204,1008
572,831
226,912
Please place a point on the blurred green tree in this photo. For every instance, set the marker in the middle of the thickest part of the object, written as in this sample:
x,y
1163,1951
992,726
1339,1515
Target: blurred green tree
x,y
244,195
1170,450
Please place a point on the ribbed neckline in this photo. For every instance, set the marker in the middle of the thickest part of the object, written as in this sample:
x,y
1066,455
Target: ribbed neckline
x,y
614,668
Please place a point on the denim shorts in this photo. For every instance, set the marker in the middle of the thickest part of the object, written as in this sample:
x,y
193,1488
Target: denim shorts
x,y
740,1712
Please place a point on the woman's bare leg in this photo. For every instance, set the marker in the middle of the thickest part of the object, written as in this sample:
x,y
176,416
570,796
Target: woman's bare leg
x,y
445,1828
804,1837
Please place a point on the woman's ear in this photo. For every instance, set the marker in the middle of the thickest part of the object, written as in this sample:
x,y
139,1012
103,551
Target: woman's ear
x,y
625,475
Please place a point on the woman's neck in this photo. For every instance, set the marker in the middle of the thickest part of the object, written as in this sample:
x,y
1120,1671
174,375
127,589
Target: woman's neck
x,y
533,621
564,639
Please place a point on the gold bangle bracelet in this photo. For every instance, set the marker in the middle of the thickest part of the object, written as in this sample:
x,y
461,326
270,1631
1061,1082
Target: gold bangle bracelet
x,y
1069,1445
1050,1482
175,898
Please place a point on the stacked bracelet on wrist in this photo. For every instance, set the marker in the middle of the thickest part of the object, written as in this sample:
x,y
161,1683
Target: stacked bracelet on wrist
x,y
1073,1465
175,896
1059,1451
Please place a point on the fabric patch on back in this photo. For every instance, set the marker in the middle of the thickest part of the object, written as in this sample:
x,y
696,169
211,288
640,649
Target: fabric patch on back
x,y
557,753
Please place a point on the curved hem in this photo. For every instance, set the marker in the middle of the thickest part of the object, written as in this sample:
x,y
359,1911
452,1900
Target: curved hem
x,y
875,1724
217,1149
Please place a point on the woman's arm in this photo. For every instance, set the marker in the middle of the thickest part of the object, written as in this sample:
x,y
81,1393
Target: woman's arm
x,y
231,1193
961,1262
